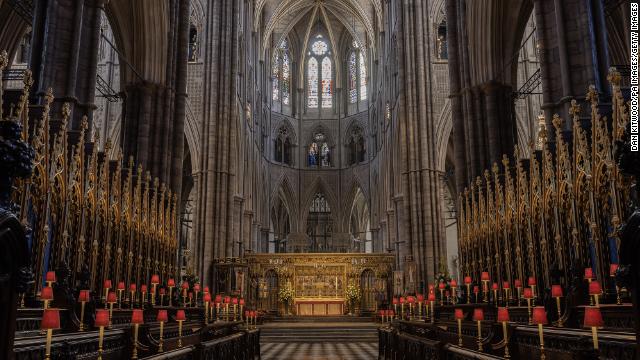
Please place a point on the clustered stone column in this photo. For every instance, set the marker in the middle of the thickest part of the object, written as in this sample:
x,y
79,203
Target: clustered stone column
x,y
217,187
64,56
419,214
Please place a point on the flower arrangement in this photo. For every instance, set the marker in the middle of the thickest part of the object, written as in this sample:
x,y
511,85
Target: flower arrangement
x,y
285,294
352,295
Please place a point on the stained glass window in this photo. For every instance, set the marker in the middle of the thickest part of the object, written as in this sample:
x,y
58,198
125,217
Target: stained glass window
x,y
353,78
327,83
286,77
363,78
319,47
281,73
276,77
312,97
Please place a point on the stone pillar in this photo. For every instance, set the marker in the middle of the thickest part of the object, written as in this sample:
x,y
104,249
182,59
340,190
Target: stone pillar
x,y
64,56
573,54
219,135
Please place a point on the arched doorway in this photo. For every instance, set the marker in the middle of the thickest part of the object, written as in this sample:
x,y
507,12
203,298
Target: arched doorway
x,y
269,291
368,291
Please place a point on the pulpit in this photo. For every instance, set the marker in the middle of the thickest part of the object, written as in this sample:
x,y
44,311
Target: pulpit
x,y
319,306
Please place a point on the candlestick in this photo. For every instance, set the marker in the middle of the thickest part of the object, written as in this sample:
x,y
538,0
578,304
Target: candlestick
x,y
135,342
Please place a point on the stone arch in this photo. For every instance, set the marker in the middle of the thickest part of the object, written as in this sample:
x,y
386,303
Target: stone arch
x,y
192,134
291,132
444,128
318,185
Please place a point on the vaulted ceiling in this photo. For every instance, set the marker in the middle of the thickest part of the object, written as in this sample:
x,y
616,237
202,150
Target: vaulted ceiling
x,y
281,18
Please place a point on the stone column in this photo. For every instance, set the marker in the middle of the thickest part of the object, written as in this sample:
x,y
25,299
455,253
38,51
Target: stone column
x,y
64,56
573,54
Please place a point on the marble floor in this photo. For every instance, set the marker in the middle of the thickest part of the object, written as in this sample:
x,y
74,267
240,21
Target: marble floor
x,y
319,351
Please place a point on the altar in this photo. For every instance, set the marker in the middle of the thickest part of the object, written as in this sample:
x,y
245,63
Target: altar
x,y
317,283
319,306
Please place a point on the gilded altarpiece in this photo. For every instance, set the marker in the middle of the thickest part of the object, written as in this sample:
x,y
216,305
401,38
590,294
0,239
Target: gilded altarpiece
x,y
319,280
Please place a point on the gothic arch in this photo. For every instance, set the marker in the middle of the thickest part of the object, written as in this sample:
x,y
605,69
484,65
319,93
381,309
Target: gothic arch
x,y
291,132
444,127
318,185
192,134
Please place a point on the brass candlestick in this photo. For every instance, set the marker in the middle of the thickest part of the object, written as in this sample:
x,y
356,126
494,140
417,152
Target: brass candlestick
x,y
235,312
110,313
479,336
559,324
529,311
170,297
47,353
433,313
206,312
106,294
180,333
161,341
506,297
100,340
468,293
506,340
519,289
533,293
153,294
590,297
460,332
540,332
135,342
133,298
81,327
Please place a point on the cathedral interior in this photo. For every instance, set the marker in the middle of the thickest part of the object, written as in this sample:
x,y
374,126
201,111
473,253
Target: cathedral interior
x,y
319,179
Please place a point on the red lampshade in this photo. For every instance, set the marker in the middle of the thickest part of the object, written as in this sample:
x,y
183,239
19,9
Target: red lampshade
x,y
241,301
51,276
190,294
185,285
143,288
478,314
155,279
588,273
612,269
218,299
83,296
595,288
162,291
485,276
430,287
107,284
137,317
556,291
180,315
47,293
441,286
505,285
121,285
467,280
420,297
540,315
390,313
432,297
206,289
395,301
411,299
196,287
494,286
162,316
593,317
207,297
453,283
111,298
247,312
171,282
102,318
532,281
503,314
459,314
227,299
528,293
50,319
132,287
517,283
401,299
234,301
476,289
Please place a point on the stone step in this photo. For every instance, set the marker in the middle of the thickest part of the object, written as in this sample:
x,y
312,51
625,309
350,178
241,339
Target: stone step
x,y
298,332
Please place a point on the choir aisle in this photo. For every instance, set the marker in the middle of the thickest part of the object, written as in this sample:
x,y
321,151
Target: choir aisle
x,y
318,338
